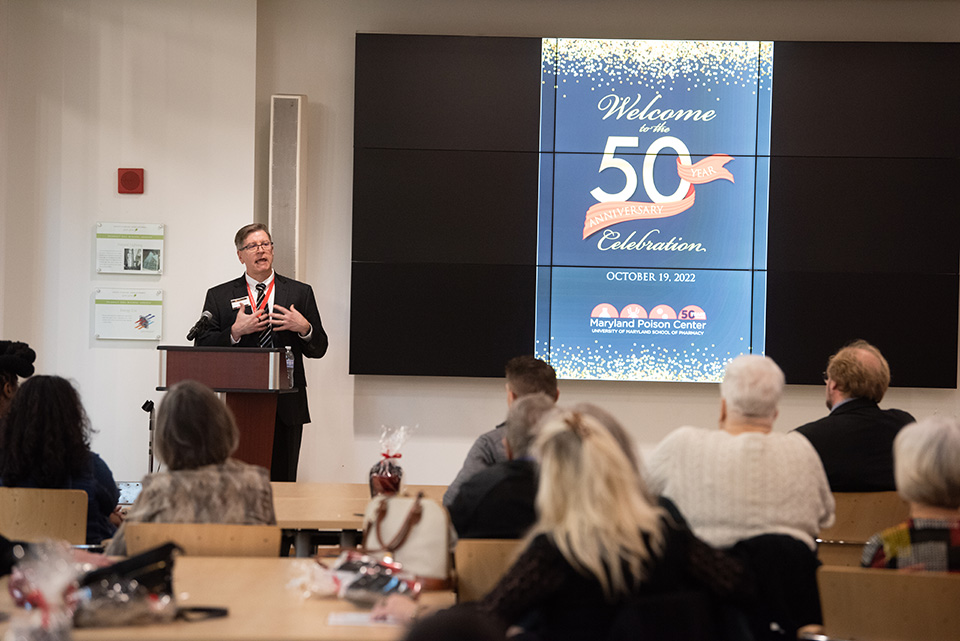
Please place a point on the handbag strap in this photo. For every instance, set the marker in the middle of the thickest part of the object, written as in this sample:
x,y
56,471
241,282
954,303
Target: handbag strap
x,y
201,613
413,517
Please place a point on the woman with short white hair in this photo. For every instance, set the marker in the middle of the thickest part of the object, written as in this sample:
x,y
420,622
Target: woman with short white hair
x,y
927,470
762,494
744,480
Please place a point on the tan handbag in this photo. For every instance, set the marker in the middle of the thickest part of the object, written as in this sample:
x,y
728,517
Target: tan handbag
x,y
415,532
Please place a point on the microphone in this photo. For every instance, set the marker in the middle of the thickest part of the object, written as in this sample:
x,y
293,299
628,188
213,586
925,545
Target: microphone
x,y
200,325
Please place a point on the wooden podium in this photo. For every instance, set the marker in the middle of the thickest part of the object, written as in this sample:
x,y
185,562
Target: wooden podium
x,y
249,378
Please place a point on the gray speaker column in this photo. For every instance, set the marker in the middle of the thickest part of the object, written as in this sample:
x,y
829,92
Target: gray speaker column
x,y
287,188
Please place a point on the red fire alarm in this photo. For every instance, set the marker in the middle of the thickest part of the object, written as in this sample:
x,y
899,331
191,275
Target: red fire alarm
x,y
130,181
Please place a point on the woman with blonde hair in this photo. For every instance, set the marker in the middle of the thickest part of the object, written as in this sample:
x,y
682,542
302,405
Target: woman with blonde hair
x,y
602,526
598,548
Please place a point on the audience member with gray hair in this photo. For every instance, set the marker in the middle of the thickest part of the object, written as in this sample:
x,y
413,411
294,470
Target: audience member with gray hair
x,y
761,494
525,375
196,434
751,389
927,470
521,424
498,501
744,480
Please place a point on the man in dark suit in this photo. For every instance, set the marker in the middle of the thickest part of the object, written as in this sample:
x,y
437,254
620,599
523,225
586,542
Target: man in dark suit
x,y
264,309
855,441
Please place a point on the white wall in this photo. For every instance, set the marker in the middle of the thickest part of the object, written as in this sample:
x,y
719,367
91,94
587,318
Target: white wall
x,y
169,85
91,86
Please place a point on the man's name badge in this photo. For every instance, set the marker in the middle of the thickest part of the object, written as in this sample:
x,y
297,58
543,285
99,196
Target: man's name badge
x,y
237,303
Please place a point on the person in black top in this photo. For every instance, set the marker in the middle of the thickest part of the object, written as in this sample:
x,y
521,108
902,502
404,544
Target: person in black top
x,y
8,555
855,441
16,361
525,375
498,501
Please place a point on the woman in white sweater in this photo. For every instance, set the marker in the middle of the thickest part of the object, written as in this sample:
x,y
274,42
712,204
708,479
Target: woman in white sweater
x,y
744,480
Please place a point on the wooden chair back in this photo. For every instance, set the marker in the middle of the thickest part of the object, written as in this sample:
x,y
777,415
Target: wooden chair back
x,y
480,563
859,516
32,514
844,554
205,539
889,605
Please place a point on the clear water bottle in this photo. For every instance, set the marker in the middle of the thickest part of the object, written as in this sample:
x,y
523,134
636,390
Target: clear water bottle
x,y
289,355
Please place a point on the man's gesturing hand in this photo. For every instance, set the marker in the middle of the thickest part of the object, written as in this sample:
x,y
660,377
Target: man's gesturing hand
x,y
291,320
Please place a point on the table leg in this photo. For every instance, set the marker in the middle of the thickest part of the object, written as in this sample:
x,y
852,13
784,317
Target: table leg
x,y
302,545
349,539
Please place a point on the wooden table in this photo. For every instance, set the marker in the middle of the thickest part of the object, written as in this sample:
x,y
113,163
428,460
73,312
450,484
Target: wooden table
x,y
261,606
285,489
308,508
346,490
319,513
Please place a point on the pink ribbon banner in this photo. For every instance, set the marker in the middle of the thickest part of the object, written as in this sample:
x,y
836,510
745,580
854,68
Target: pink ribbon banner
x,y
603,215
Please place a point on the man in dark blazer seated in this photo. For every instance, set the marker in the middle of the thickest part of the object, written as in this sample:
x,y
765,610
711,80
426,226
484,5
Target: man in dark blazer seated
x,y
855,441
264,309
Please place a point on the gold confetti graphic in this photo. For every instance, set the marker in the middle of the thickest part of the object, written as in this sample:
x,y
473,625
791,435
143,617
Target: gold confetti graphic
x,y
639,362
659,65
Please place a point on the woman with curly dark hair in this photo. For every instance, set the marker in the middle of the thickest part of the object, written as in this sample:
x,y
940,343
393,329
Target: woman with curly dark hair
x,y
45,443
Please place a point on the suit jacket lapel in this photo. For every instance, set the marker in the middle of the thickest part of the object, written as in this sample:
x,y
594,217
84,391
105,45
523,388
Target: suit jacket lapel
x,y
281,296
239,288
281,293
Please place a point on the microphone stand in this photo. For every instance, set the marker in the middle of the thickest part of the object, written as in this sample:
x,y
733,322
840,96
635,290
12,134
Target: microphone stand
x,y
148,407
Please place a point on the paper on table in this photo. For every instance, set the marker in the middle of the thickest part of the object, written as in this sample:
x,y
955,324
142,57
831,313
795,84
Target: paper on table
x,y
355,618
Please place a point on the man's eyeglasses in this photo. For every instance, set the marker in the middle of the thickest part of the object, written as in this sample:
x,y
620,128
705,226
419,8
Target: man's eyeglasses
x,y
255,246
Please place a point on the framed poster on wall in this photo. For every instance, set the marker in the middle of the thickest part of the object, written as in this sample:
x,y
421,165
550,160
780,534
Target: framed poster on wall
x,y
129,248
128,314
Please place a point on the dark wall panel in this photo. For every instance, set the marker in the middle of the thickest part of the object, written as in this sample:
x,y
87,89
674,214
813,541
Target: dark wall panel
x,y
911,317
880,99
445,206
863,215
447,92
439,320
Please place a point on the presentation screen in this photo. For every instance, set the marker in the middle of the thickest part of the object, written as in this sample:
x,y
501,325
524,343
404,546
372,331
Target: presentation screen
x,y
647,210
652,217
